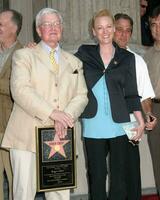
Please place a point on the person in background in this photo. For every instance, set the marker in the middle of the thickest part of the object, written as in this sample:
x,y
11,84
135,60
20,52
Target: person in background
x,y
152,58
122,36
47,90
10,26
112,91
146,36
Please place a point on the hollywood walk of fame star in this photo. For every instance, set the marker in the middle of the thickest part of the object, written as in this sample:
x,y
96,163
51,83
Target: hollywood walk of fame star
x,y
56,145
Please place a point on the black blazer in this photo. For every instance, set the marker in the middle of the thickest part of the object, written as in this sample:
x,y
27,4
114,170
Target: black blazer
x,y
120,78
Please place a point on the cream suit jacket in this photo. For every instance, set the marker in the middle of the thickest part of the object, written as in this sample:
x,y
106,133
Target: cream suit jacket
x,y
37,91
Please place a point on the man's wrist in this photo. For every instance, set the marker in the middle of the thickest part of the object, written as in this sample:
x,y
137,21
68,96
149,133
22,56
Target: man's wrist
x,y
149,113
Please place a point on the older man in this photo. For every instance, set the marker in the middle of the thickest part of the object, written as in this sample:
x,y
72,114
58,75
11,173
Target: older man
x,y
10,26
123,33
47,90
152,57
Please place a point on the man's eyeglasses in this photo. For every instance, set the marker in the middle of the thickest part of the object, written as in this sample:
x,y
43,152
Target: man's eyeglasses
x,y
51,24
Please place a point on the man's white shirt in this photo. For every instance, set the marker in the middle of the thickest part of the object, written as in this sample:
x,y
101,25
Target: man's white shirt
x,y
144,86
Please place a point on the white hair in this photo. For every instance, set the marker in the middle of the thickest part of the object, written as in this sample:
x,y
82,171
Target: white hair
x,y
46,11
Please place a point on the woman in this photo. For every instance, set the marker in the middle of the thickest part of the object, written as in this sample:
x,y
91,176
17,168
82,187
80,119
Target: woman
x,y
111,80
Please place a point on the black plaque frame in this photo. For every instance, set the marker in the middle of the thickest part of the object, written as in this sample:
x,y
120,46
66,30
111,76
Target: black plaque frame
x,y
57,172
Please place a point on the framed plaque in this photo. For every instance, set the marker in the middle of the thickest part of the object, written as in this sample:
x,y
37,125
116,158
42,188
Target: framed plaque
x,y
56,160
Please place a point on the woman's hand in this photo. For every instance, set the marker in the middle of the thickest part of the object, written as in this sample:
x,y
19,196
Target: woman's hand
x,y
139,130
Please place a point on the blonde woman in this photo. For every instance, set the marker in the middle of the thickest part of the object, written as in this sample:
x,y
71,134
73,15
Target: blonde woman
x,y
111,80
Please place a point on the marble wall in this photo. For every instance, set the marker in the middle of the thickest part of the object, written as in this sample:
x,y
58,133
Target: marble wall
x,y
76,16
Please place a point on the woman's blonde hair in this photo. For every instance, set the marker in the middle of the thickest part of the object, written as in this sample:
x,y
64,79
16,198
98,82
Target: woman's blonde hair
x,y
101,13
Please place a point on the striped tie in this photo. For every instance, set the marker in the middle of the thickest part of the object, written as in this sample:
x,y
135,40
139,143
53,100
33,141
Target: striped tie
x,y
53,61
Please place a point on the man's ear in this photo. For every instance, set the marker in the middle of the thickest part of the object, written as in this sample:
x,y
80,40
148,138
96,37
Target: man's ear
x,y
14,29
38,31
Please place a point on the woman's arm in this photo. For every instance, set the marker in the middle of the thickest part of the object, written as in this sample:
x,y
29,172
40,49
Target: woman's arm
x,y
140,128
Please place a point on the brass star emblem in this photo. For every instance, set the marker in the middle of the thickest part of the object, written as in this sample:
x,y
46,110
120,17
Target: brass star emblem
x,y
56,145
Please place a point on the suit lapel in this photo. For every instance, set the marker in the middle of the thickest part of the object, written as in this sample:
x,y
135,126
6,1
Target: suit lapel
x,y
98,58
63,62
116,59
43,56
94,55
66,63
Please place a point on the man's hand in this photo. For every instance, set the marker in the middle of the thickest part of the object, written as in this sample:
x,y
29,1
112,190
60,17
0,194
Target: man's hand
x,y
30,45
65,119
151,121
60,129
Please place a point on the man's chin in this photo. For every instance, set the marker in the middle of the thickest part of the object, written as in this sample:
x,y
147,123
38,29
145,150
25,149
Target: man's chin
x,y
122,45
